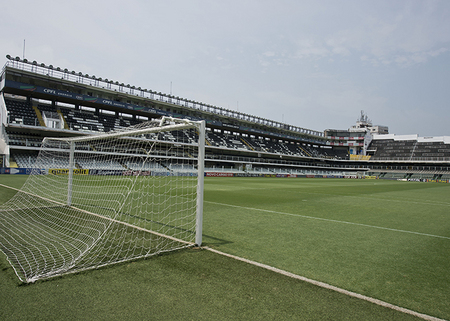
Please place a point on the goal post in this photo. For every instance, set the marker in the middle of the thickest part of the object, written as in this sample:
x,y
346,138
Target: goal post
x,y
101,199
200,185
71,168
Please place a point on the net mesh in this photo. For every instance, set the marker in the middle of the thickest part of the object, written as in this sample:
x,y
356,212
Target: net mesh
x,y
104,199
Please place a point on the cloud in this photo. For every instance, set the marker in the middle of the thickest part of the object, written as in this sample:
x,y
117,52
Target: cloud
x,y
320,62
380,33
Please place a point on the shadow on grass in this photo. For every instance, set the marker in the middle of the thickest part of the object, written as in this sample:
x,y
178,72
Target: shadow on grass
x,y
212,241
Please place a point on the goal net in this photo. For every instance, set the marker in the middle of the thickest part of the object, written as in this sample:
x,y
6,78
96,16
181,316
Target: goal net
x,y
101,199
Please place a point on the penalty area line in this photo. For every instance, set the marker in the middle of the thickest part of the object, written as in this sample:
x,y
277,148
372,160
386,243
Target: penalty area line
x,y
331,220
327,286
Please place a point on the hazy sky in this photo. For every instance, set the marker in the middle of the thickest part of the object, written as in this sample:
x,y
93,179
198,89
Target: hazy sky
x,y
314,64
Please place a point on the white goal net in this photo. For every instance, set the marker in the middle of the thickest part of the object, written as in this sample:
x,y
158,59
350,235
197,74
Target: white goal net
x,y
107,198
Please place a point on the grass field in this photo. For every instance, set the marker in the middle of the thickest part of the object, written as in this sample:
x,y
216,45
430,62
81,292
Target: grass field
x,y
385,239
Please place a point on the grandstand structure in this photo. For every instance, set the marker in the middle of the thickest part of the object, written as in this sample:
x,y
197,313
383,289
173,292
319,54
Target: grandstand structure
x,y
39,100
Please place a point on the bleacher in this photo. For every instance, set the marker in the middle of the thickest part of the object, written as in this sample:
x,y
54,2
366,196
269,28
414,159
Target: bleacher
x,y
409,149
217,139
261,144
24,140
29,160
271,146
292,149
25,160
390,149
83,121
431,149
20,112
90,120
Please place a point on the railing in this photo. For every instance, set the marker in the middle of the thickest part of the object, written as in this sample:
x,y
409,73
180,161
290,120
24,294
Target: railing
x,y
91,80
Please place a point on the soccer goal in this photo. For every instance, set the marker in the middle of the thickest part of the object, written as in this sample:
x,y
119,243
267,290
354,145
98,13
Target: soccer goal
x,y
107,198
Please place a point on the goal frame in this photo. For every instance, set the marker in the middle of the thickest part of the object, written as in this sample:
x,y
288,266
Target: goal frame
x,y
178,124
166,124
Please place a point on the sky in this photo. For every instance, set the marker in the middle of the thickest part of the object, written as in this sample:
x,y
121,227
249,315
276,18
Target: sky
x,y
314,64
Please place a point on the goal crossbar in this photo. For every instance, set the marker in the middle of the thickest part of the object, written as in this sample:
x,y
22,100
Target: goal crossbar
x,y
180,126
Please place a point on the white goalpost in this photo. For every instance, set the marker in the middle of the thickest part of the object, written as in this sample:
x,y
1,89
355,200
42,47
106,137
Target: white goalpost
x,y
107,198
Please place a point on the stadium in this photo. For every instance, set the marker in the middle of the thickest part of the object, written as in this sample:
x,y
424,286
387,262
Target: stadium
x,y
40,101
42,104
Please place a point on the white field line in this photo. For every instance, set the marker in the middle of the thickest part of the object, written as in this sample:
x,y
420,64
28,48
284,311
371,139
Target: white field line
x,y
328,286
330,220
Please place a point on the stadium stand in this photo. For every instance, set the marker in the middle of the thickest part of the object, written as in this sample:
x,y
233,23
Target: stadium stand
x,y
407,147
20,112
33,107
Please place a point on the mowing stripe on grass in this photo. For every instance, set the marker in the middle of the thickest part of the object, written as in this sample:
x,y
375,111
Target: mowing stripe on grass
x,y
328,286
330,220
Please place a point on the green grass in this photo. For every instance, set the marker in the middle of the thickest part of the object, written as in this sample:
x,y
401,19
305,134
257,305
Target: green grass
x,y
293,224
298,225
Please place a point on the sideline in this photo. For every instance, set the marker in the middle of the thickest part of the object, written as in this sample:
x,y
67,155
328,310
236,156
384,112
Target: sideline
x,y
330,220
328,286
